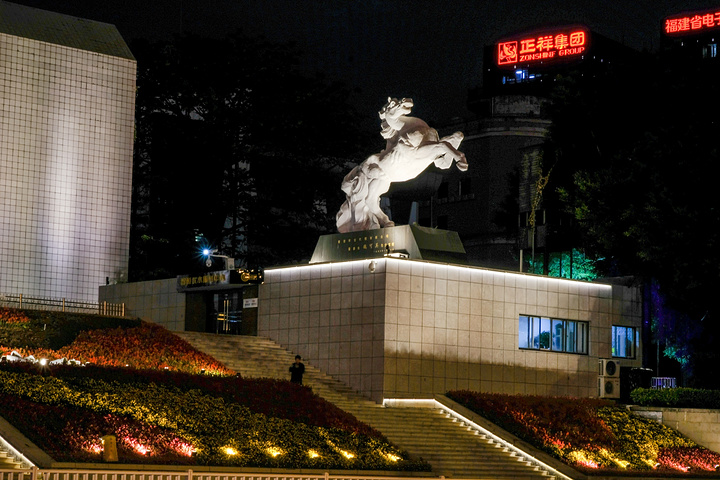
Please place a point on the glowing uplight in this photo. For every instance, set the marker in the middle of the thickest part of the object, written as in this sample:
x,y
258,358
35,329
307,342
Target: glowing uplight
x,y
43,361
183,448
390,457
347,454
580,458
135,444
273,451
230,451
313,454
93,448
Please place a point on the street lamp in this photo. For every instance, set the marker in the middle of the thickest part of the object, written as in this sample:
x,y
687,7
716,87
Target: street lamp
x,y
210,254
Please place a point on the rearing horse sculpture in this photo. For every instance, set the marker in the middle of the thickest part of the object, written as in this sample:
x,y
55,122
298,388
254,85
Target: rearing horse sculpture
x,y
411,147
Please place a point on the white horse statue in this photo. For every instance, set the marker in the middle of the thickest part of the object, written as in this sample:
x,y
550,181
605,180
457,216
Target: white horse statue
x,y
411,147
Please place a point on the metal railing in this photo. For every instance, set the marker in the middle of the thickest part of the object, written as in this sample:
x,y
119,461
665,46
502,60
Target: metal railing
x,y
62,305
78,474
658,383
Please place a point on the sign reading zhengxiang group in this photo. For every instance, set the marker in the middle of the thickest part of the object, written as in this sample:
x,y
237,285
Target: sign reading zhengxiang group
x,y
563,43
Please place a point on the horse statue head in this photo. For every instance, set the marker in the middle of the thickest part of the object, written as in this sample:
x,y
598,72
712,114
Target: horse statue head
x,y
411,146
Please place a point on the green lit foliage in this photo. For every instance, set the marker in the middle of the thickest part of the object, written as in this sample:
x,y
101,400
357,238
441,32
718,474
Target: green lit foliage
x,y
573,264
676,397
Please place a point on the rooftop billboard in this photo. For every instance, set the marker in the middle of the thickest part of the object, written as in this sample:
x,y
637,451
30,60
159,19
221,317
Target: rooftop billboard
x,y
559,44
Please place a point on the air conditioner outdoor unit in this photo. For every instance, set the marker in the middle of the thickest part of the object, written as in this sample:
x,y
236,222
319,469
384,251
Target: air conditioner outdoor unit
x,y
609,367
608,387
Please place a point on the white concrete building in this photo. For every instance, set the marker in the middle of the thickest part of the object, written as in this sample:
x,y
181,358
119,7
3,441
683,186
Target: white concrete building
x,y
67,104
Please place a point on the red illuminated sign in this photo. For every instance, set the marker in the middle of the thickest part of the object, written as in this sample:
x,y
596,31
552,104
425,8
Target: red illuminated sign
x,y
560,44
692,23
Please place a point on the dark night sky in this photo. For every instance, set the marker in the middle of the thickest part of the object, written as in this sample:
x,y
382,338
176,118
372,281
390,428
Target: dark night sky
x,y
429,50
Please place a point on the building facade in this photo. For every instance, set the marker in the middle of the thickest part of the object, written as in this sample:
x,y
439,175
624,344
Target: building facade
x,y
401,328
67,96
408,329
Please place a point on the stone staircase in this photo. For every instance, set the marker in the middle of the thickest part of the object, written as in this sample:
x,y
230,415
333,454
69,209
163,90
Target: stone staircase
x,y
453,449
8,460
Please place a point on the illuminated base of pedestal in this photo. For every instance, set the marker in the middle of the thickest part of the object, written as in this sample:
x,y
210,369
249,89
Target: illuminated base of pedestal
x,y
413,241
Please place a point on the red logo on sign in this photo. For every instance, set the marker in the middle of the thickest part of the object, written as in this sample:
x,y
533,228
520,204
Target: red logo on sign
x,y
507,53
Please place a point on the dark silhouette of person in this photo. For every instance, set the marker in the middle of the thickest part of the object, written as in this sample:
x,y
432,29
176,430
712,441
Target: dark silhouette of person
x,y
297,370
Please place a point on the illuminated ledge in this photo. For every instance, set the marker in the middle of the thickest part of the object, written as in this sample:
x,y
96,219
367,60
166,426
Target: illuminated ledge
x,y
464,421
378,264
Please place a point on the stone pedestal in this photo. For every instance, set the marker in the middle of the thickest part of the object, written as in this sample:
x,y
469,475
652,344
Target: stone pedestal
x,y
407,241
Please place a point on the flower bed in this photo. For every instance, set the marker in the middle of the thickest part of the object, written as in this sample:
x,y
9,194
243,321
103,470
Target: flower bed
x,y
168,403
593,435
214,431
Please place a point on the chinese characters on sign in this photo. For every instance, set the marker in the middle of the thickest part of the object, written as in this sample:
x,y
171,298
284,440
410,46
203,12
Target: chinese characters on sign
x,y
368,243
203,280
692,23
561,44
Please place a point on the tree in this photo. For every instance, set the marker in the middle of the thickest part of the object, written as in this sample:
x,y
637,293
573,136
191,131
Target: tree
x,y
642,190
236,147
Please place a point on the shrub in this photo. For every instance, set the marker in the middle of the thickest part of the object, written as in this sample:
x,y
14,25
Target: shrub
x,y
593,435
51,330
146,346
676,397
210,424
13,316
70,434
143,386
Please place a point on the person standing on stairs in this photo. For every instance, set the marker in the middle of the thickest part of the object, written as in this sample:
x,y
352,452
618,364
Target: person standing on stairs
x,y
297,370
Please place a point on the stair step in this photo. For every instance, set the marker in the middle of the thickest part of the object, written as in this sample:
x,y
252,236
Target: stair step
x,y
453,449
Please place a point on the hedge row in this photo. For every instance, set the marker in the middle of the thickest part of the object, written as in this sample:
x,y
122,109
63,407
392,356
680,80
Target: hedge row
x,y
676,397
38,329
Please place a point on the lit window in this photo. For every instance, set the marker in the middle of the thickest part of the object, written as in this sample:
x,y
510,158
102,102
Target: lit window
x,y
624,342
554,334
710,50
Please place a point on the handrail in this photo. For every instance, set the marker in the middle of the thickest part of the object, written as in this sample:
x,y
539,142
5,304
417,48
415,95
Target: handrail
x,y
61,304
121,474
448,410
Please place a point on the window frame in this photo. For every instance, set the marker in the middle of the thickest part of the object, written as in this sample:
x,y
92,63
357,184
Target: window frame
x,y
549,334
634,342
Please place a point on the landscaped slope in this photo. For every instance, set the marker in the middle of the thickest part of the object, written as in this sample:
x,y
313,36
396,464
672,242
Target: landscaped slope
x,y
165,402
593,435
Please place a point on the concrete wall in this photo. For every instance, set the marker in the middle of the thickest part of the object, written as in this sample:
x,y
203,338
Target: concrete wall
x,y
156,301
412,328
66,126
700,425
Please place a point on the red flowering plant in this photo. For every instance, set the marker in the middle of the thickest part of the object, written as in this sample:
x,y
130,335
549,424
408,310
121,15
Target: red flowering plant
x,y
70,434
149,346
13,316
593,435
687,459
189,420
556,424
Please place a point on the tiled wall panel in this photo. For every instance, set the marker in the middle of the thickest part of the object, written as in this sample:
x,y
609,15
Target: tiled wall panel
x,y
66,139
411,328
